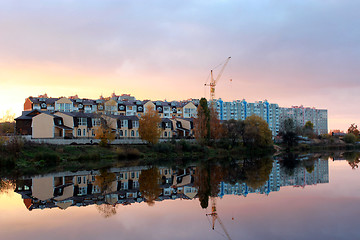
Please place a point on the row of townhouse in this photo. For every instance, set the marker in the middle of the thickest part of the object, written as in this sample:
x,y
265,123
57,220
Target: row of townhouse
x,y
301,115
126,105
115,105
241,109
56,124
66,189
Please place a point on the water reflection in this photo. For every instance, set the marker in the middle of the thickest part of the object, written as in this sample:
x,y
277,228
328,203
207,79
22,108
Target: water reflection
x,y
107,188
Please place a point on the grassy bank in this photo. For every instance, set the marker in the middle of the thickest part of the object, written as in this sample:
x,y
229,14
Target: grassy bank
x,y
19,158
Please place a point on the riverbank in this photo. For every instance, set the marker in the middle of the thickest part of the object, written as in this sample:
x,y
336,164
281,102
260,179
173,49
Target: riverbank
x,y
28,158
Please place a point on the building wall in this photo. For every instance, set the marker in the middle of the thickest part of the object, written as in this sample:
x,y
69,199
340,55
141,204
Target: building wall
x,y
43,126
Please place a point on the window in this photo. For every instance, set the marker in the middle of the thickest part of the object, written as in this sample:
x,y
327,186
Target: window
x,y
125,133
79,132
165,134
132,175
137,133
135,124
93,132
79,180
121,133
132,133
96,121
123,123
84,132
82,121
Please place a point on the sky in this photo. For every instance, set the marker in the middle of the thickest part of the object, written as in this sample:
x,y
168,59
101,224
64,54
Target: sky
x,y
298,52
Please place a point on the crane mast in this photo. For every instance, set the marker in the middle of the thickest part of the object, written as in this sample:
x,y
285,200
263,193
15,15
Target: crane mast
x,y
215,217
213,81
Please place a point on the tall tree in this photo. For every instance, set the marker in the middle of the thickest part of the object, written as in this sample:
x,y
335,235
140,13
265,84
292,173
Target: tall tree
x,y
149,126
288,132
202,122
216,129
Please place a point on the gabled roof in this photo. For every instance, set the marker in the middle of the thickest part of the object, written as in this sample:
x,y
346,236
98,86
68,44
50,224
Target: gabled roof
x,y
36,100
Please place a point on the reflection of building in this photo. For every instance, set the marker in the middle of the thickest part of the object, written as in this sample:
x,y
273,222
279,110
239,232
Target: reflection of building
x,y
279,178
271,185
302,177
65,189
83,188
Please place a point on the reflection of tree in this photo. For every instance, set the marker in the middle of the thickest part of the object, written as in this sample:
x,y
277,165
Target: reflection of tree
x,y
232,171
149,184
309,164
257,172
352,158
6,186
106,210
104,180
289,163
207,178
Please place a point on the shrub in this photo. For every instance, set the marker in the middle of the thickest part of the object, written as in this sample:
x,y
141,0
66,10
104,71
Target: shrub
x,y
163,147
133,153
349,138
49,159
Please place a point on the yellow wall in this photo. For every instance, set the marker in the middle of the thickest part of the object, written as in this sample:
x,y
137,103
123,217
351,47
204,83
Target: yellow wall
x,y
43,126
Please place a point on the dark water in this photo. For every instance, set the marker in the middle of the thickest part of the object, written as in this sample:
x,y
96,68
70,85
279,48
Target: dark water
x,y
315,197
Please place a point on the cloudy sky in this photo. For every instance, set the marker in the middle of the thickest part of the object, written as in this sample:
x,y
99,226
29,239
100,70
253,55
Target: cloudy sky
x,y
296,52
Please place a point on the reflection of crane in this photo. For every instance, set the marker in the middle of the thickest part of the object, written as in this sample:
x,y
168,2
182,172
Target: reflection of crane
x,y
215,217
214,81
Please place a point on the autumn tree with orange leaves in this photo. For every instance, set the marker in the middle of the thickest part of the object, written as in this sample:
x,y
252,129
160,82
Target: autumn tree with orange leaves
x,y
149,126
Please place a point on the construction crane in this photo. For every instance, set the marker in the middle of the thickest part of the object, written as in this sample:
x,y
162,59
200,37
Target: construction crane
x,y
215,217
213,81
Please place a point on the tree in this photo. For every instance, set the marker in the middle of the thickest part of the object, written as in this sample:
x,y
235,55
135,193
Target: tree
x,y
149,126
256,132
288,132
105,132
7,124
308,129
202,122
149,184
353,129
216,129
350,138
233,130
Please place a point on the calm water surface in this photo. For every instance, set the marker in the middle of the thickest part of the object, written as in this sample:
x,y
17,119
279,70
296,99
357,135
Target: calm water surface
x,y
309,201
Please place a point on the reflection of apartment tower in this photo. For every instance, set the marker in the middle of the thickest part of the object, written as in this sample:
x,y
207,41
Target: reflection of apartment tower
x,y
240,109
271,185
301,115
311,176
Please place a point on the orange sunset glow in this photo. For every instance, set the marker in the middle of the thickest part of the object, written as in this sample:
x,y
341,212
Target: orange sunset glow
x,y
280,52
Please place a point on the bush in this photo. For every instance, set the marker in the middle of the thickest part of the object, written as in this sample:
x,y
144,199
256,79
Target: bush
x,y
133,153
349,138
15,144
163,148
49,159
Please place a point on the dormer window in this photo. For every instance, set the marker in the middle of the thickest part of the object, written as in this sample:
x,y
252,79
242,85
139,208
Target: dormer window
x,y
43,105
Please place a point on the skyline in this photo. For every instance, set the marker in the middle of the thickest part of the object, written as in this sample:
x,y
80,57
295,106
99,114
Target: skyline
x,y
290,53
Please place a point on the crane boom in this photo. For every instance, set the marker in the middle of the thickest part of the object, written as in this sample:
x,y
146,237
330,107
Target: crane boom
x,y
214,81
215,217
